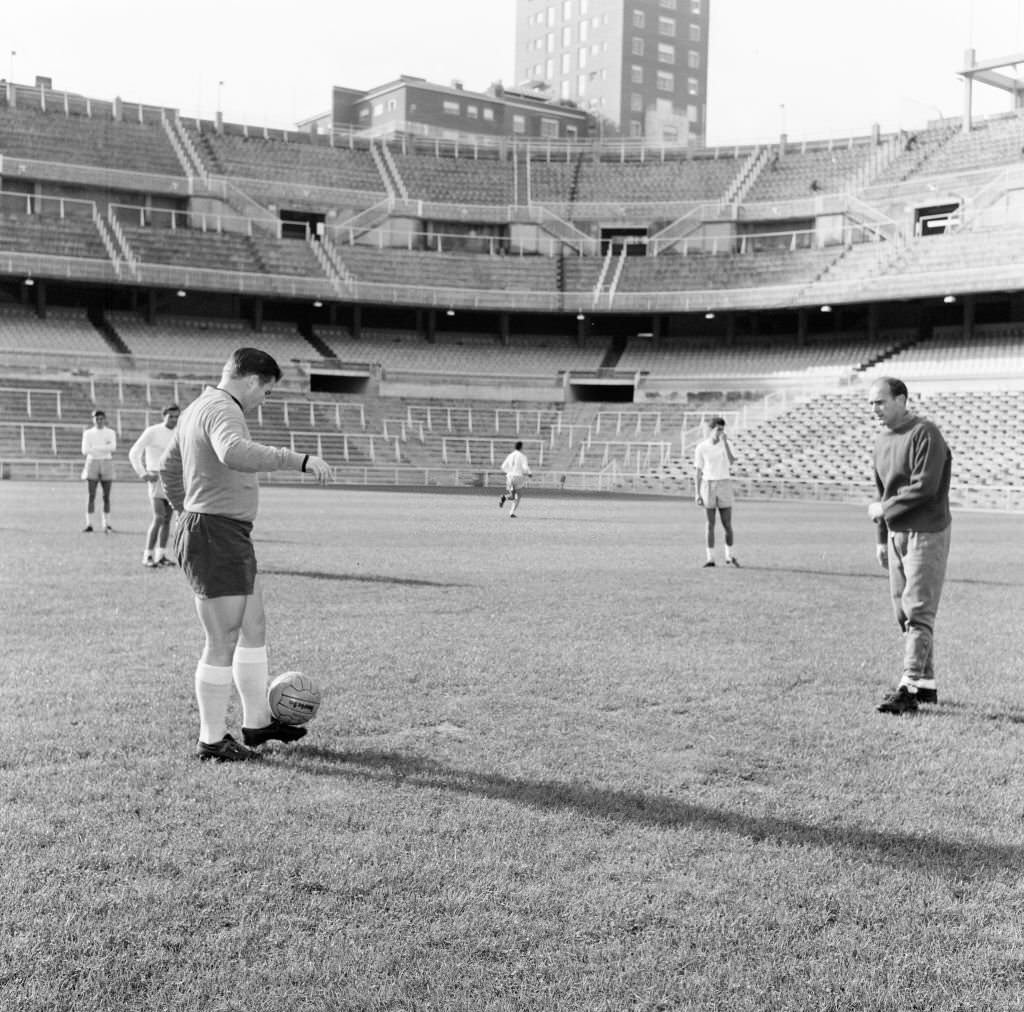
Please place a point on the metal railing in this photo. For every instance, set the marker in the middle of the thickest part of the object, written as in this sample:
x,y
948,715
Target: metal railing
x,y
994,498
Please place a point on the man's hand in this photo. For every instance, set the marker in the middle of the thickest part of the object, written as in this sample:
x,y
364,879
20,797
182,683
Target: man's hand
x,y
699,500
151,476
875,511
319,468
882,554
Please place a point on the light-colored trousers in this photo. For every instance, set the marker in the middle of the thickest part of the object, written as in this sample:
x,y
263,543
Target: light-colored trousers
x,y
917,571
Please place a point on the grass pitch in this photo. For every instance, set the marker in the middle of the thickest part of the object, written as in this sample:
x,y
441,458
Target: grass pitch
x,y
558,766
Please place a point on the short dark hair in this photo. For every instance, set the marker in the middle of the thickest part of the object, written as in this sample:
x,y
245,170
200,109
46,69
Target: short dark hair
x,y
252,362
519,445
716,421
99,414
897,388
170,407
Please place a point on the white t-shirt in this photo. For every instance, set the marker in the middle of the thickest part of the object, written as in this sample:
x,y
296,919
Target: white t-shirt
x,y
712,460
146,452
99,444
515,465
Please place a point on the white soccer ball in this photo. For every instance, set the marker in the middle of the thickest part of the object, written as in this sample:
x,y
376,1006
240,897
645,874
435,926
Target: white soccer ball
x,y
294,697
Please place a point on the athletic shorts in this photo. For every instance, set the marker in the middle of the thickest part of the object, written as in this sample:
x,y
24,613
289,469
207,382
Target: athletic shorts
x,y
156,489
216,555
515,483
98,470
717,494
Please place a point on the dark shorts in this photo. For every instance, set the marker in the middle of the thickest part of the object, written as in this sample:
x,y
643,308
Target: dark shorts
x,y
216,555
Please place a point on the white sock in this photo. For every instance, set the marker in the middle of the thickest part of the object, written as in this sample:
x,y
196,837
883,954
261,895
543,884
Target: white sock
x,y
106,520
728,553
147,556
711,554
250,669
158,554
213,691
88,520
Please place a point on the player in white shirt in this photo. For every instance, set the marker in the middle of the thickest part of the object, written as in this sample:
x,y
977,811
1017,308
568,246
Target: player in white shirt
x,y
98,446
144,456
713,459
517,470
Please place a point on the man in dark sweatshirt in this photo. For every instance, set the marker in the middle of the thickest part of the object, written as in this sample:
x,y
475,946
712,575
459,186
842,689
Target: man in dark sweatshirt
x,y
912,468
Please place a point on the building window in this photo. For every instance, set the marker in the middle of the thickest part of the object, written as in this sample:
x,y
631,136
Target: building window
x,y
638,19
584,31
566,36
669,134
695,7
669,5
581,85
551,16
364,112
638,46
451,108
565,90
584,7
566,9
636,128
551,42
581,58
548,127
692,86
392,104
636,74
566,63
666,81
472,111
666,52
488,114
695,33
378,109
667,26
636,102
518,123
693,61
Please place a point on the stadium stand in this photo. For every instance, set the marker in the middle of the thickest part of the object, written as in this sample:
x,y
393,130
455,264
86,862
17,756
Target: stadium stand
x,y
301,157
563,262
97,140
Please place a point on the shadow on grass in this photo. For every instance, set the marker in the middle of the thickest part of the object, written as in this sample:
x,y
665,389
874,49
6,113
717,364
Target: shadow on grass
x,y
878,574
915,850
314,574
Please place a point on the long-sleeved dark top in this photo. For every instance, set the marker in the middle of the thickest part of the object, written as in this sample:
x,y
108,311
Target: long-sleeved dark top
x,y
912,469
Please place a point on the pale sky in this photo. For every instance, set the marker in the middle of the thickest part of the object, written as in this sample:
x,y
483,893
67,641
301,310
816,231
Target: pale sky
x,y
814,68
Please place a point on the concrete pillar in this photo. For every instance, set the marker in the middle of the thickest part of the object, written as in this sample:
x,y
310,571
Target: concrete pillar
x,y
970,304
968,84
357,322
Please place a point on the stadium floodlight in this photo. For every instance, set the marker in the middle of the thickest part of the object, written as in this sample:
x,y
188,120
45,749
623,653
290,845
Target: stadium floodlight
x,y
449,311
318,304
29,282
580,316
181,293
948,299
709,316
826,308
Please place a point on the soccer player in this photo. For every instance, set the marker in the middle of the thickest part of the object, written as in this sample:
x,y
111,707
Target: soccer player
x,y
98,446
144,456
517,470
713,459
209,473
912,471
